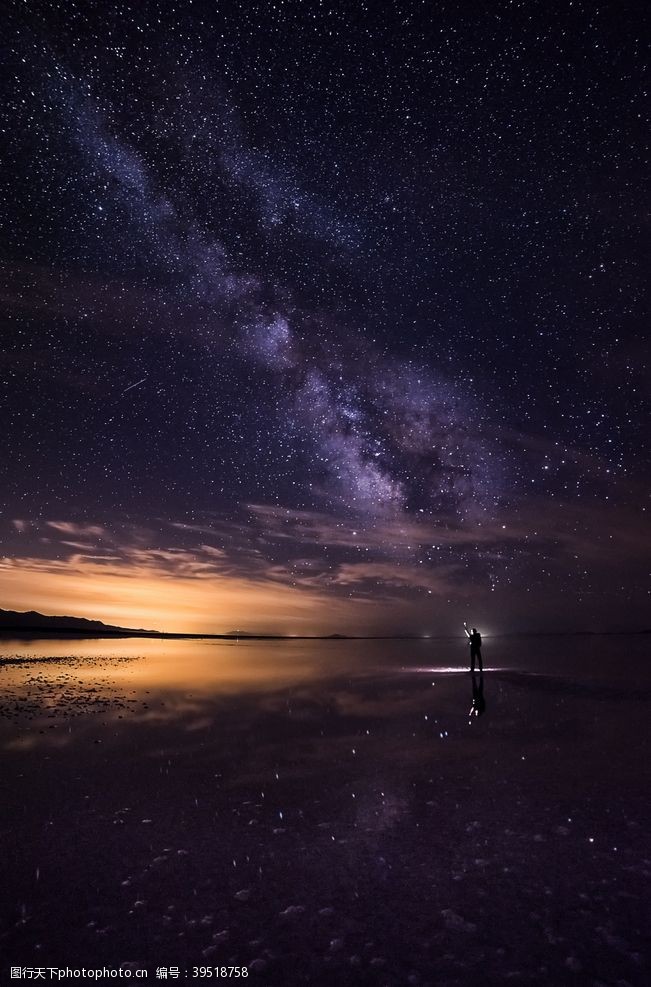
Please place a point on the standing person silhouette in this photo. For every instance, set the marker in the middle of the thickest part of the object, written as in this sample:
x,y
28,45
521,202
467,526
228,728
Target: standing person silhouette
x,y
475,648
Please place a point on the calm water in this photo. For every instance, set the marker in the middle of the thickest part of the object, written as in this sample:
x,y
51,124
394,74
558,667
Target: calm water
x,y
213,667
329,811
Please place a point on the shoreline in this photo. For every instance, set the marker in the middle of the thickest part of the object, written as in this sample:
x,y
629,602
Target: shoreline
x,y
78,634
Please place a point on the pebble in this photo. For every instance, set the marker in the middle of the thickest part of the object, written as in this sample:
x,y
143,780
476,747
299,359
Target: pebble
x,y
455,923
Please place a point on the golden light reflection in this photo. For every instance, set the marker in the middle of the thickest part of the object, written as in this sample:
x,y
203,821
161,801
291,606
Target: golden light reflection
x,y
189,666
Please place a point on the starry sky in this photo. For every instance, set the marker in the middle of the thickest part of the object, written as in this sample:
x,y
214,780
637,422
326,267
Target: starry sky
x,y
325,316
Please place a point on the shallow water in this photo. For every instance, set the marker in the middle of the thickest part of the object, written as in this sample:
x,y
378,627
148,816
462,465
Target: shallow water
x,y
329,811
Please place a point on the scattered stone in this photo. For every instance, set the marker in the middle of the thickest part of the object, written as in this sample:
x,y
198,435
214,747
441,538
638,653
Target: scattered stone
x,y
258,965
455,923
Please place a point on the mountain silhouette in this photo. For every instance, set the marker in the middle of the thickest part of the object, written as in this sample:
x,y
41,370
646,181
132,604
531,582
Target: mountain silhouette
x,y
31,621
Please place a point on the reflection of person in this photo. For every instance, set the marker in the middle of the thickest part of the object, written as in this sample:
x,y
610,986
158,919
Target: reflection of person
x,y
475,647
478,706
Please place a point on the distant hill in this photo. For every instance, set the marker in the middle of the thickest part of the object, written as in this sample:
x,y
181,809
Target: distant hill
x,y
31,621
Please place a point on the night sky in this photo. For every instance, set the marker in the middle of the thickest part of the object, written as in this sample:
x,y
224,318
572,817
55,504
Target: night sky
x,y
324,317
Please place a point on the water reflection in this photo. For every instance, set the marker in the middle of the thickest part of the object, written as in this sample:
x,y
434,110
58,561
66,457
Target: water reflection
x,y
269,799
202,685
308,701
478,706
200,666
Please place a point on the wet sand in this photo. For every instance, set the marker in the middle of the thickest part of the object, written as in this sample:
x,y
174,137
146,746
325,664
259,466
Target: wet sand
x,y
328,812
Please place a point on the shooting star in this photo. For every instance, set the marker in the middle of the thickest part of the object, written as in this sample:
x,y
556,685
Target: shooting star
x,y
131,386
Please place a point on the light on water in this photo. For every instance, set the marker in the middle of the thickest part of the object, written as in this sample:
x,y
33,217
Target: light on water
x,y
165,748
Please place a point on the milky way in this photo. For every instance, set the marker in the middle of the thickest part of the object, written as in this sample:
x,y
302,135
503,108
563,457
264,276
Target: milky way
x,y
372,272
374,427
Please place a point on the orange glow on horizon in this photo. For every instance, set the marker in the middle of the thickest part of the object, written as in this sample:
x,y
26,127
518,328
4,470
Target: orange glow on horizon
x,y
144,596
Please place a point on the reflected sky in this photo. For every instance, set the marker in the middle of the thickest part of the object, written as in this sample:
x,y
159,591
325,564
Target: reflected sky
x,y
201,666
261,800
160,681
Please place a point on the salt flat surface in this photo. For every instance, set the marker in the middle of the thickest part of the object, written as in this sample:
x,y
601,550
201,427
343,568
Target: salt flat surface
x,y
329,812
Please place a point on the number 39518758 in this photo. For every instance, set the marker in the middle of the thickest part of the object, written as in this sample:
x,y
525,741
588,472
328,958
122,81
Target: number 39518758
x,y
220,971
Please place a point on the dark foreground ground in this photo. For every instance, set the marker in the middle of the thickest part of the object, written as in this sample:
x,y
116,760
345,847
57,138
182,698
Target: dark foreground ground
x,y
328,826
